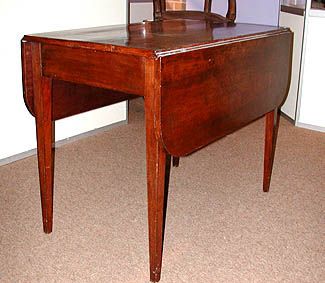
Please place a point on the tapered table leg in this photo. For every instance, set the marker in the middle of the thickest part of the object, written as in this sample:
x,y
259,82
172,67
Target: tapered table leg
x,y
175,161
156,168
271,132
158,165
156,178
45,137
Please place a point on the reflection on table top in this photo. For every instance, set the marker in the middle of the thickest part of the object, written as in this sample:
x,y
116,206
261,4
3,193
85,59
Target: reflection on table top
x,y
153,36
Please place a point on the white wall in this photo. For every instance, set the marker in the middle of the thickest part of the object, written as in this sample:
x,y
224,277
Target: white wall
x,y
312,102
19,17
296,24
264,12
140,12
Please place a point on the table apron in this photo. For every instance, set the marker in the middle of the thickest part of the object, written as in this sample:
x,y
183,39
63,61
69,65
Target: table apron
x,y
120,72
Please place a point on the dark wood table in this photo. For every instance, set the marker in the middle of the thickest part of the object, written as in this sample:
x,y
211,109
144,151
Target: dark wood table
x,y
201,80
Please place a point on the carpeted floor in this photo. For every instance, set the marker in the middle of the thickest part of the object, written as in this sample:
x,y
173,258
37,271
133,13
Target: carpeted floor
x,y
221,227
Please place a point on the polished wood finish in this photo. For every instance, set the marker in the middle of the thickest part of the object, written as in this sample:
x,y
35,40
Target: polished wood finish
x,y
156,168
271,133
151,39
68,98
196,120
106,74
160,12
200,80
175,161
45,136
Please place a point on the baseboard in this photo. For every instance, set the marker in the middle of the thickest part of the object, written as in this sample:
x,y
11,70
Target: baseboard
x,y
303,125
292,121
59,143
311,127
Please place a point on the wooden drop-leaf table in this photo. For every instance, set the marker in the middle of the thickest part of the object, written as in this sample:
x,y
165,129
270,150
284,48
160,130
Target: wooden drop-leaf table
x,y
201,80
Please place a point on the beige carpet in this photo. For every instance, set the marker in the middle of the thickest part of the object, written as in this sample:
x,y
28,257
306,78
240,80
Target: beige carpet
x,y
221,227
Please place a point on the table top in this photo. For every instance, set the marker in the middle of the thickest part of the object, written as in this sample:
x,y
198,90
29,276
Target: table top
x,y
158,38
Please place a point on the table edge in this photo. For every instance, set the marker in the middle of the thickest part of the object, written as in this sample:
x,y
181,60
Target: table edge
x,y
149,53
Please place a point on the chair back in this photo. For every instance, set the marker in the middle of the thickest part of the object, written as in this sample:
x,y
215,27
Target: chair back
x,y
160,12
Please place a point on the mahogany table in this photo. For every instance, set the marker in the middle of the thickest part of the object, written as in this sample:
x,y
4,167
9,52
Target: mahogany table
x,y
201,80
